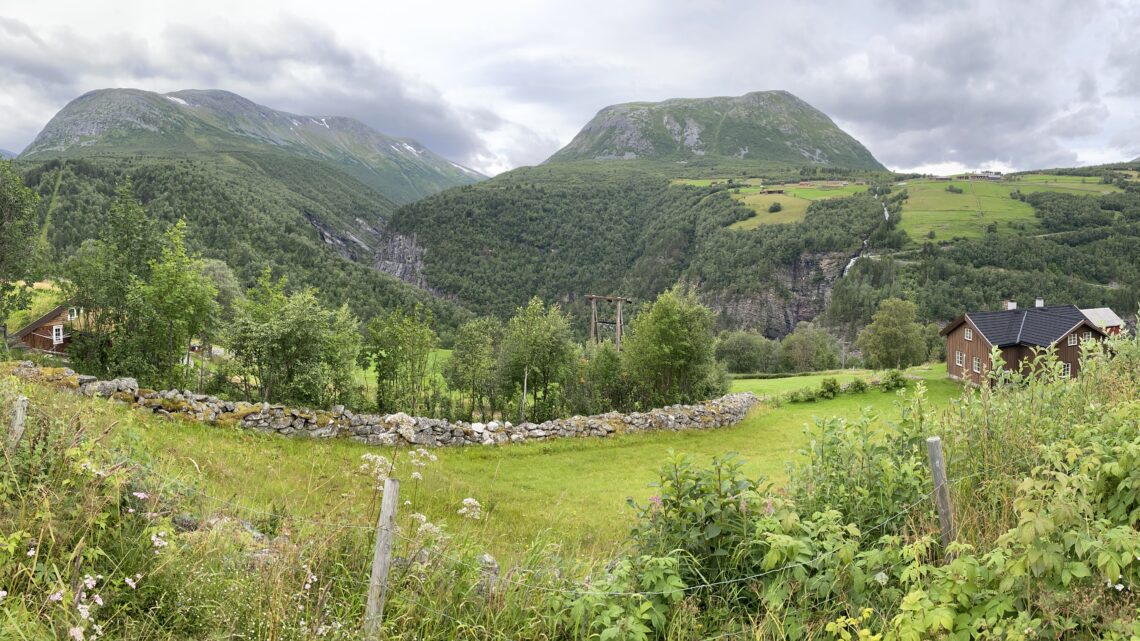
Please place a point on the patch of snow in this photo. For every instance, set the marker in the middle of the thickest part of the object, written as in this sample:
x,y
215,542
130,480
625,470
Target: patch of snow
x,y
410,148
326,125
463,169
178,100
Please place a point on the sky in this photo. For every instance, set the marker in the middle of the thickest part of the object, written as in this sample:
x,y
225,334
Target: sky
x,y
926,86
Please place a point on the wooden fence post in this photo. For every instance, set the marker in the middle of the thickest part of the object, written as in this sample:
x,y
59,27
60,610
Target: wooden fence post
x,y
941,489
16,426
381,559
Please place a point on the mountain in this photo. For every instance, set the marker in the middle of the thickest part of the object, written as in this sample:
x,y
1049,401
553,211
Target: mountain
x,y
763,127
7,155
185,123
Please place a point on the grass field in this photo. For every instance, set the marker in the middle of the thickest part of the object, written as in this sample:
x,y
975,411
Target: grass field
x,y
950,215
794,201
574,490
771,386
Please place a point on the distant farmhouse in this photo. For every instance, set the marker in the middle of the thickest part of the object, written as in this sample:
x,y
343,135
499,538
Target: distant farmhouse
x,y
50,333
1017,333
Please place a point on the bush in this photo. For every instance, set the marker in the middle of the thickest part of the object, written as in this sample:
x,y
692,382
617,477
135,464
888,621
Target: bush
x,y
893,380
828,388
775,207
857,386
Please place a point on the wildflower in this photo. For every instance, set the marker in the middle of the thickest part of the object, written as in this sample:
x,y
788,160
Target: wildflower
x,y
655,501
881,578
89,581
76,633
98,600
3,593
84,611
471,509
56,597
769,508
131,582
98,630
158,541
1119,587
416,476
142,496
378,467
429,531
31,551
419,518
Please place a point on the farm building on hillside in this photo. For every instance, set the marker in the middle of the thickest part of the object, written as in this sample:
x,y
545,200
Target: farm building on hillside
x,y
50,333
1106,319
1017,333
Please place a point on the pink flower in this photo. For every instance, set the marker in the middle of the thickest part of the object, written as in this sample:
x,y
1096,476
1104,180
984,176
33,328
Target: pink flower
x,y
131,582
142,496
57,597
76,633
31,551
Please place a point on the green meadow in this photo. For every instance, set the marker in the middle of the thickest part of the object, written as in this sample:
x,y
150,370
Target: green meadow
x,y
930,208
575,489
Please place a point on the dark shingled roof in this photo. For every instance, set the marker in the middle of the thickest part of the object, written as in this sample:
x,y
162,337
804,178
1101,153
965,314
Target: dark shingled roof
x,y
1041,326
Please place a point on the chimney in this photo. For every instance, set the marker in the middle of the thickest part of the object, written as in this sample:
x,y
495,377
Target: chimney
x,y
1040,302
1010,304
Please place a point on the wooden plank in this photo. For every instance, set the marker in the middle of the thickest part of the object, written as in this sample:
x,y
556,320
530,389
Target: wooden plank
x,y
941,490
381,559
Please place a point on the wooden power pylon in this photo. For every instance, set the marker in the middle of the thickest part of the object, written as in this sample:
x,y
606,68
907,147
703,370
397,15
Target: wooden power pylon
x,y
617,322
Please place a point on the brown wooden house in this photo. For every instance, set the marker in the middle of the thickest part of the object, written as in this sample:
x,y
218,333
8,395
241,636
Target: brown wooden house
x,y
50,333
1017,333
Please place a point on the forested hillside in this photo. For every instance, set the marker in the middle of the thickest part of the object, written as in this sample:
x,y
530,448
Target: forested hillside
x,y
304,220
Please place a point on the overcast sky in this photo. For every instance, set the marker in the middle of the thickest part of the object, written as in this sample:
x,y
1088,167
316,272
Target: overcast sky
x,y
924,85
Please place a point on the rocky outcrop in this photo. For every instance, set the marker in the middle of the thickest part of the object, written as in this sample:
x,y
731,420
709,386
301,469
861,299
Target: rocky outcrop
x,y
801,293
400,256
391,429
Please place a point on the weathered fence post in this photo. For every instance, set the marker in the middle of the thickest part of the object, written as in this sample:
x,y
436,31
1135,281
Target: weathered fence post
x,y
16,426
381,559
941,489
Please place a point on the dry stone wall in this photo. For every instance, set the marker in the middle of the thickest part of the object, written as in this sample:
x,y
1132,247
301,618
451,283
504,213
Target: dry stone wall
x,y
390,429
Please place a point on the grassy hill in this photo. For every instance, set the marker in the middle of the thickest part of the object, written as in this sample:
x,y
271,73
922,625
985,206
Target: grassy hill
x,y
189,123
763,126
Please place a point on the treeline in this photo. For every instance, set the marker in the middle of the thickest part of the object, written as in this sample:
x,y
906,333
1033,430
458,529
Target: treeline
x,y
531,368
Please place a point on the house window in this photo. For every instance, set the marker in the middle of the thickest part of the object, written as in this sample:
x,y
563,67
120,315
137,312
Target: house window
x,y
1087,336
968,334
1066,370
56,334
977,364
72,313
959,359
1072,339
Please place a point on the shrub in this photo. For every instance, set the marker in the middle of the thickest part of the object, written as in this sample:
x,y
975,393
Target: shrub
x,y
893,380
857,386
828,388
775,207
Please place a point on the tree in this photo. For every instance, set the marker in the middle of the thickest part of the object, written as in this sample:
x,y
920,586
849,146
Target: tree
x,y
471,368
809,348
399,346
17,224
745,352
670,351
292,348
536,352
894,339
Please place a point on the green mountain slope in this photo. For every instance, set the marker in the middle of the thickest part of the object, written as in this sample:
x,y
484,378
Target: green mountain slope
x,y
130,121
760,127
6,155
302,219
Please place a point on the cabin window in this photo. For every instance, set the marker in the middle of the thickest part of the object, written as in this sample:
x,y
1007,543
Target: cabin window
x,y
56,334
1072,339
977,364
968,334
959,359
1087,336
72,313
1066,370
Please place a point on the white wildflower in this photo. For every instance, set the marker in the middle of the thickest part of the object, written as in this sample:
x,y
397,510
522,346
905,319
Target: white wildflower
x,y
131,582
76,633
471,509
3,594
881,578
89,581
377,467
31,551
142,496
84,611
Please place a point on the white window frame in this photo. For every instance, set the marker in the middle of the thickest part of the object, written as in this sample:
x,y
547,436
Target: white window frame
x,y
1066,370
56,334
72,313
959,359
1072,339
968,334
1087,336
977,363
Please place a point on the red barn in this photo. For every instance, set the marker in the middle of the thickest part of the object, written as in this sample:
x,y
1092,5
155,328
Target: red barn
x,y
50,333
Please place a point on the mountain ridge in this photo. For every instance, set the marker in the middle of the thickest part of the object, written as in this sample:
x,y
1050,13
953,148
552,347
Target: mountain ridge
x,y
7,155
761,126
194,121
